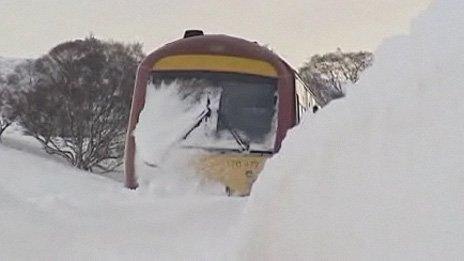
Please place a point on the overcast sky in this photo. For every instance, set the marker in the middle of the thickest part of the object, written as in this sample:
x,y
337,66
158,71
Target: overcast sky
x,y
296,29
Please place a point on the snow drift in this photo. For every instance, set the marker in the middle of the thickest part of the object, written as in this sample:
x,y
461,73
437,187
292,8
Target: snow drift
x,y
378,175
50,211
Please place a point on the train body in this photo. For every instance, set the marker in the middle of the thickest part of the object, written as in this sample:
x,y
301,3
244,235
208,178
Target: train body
x,y
257,98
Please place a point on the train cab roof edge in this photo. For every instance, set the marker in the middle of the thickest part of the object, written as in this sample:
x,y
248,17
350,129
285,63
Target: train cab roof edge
x,y
218,44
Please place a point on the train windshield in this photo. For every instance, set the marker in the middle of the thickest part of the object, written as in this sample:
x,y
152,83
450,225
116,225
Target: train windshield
x,y
233,111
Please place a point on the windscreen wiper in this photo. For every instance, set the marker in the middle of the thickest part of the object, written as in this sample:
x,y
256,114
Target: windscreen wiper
x,y
205,114
244,145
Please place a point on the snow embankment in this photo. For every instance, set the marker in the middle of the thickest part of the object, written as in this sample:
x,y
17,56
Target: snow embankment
x,y
49,211
378,175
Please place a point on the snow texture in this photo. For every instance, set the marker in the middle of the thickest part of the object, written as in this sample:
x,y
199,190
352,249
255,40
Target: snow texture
x,y
50,211
163,122
374,176
378,175
162,166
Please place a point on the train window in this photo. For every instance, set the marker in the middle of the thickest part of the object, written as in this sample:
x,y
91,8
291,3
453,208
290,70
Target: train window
x,y
245,111
249,107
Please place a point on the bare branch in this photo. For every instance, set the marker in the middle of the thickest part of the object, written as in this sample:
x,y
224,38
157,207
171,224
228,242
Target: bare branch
x,y
77,107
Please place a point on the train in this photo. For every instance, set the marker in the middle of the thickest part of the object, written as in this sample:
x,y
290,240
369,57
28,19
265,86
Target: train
x,y
259,97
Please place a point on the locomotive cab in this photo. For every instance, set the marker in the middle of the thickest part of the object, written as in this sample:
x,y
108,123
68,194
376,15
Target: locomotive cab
x,y
248,99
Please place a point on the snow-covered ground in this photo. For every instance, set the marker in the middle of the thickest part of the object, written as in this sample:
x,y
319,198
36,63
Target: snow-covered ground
x,y
378,175
49,211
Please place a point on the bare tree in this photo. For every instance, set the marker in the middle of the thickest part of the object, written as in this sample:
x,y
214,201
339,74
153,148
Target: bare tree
x,y
4,121
10,86
326,74
78,103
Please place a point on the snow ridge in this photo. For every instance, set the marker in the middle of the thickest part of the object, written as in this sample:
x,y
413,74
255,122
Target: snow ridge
x,y
378,175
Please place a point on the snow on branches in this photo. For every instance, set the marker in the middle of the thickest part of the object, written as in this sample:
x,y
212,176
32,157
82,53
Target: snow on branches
x,y
326,74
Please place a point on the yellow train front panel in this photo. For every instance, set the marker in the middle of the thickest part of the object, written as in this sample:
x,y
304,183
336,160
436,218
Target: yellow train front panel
x,y
236,171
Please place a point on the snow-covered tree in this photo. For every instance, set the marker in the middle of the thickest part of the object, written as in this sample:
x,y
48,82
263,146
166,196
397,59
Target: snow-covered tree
x,y
20,77
326,74
76,100
5,122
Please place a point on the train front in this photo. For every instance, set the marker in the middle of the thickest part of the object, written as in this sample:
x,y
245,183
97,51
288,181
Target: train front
x,y
227,97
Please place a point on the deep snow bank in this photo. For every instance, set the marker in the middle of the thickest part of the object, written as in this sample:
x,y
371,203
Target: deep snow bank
x,y
378,175
50,211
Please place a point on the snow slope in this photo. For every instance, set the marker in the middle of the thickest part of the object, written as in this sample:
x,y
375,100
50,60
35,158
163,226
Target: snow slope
x,y
375,176
378,175
49,211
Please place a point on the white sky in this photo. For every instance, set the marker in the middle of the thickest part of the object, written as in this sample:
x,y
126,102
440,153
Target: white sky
x,y
296,29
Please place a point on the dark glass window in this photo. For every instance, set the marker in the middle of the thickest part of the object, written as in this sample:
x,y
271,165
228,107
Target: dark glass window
x,y
248,108
247,103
